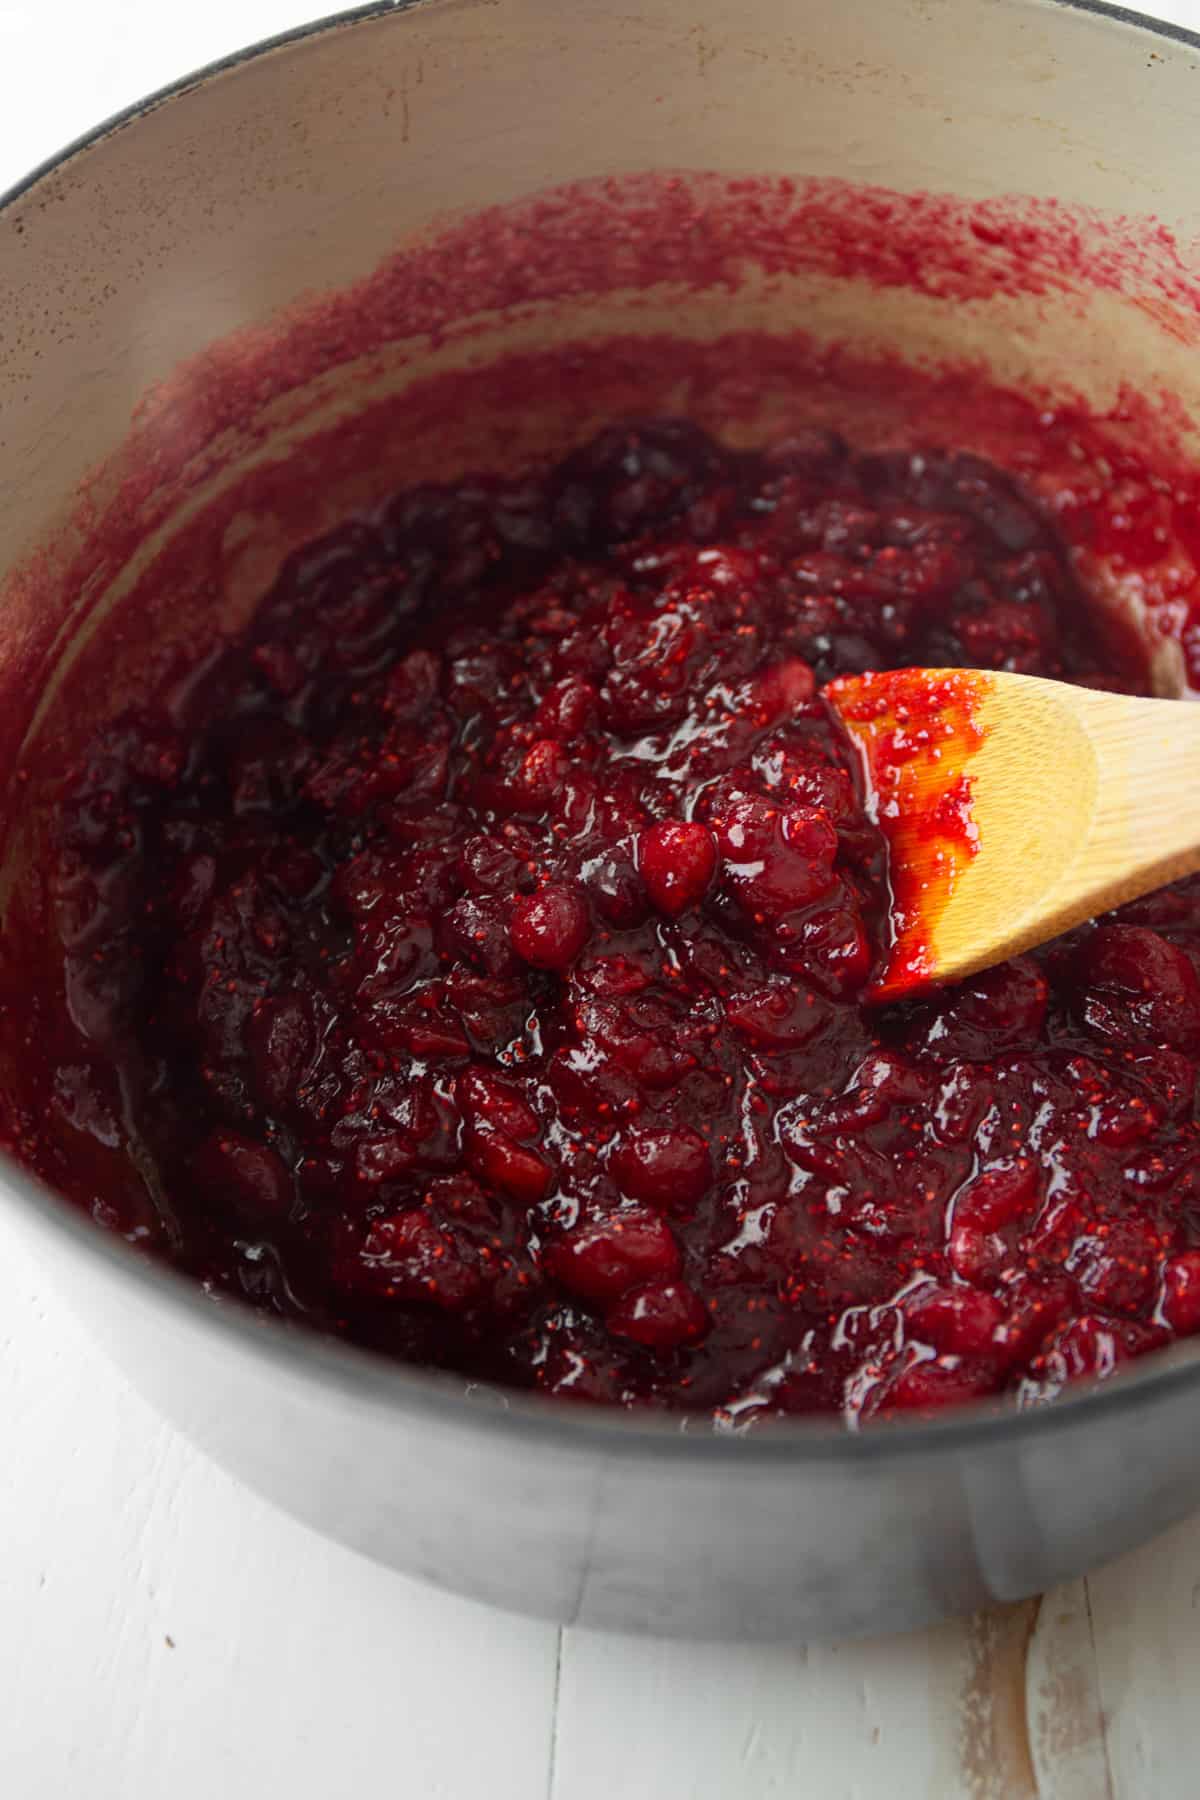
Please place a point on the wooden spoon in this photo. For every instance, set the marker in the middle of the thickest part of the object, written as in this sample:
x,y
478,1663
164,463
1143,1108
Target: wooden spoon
x,y
1015,808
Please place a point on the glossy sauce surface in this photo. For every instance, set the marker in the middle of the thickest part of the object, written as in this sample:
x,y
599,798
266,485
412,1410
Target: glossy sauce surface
x,y
486,972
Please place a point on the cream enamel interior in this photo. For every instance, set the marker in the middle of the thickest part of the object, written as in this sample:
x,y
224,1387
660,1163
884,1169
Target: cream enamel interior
x,y
301,169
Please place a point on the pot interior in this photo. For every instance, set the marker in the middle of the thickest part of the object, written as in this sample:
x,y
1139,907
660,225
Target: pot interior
x,y
378,256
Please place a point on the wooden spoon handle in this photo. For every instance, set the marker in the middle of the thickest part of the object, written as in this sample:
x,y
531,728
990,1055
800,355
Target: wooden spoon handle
x,y
1144,828
1016,807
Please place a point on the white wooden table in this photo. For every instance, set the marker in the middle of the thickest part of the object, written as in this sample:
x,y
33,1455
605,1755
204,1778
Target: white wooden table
x,y
164,1633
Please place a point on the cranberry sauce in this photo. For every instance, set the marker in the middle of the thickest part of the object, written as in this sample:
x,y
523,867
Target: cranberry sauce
x,y
485,972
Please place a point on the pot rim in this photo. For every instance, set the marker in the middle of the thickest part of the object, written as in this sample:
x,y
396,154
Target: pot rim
x,y
378,9
440,1396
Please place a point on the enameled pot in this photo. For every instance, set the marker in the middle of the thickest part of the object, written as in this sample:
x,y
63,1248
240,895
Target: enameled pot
x,y
242,266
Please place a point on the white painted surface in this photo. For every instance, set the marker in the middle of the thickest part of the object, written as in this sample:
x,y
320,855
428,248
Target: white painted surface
x,y
164,1633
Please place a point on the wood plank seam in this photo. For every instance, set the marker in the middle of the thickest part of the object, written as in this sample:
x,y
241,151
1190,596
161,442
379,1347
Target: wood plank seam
x,y
552,1758
1109,1789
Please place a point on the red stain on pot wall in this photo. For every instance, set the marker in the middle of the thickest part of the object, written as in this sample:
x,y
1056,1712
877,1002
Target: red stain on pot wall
x,y
1116,481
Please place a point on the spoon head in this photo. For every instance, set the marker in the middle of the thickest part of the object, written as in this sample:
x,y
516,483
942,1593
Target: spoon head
x,y
984,786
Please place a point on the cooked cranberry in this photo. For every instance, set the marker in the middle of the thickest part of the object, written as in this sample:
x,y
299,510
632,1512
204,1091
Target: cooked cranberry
x,y
433,1038
250,1178
491,955
615,977
543,771
500,1127
958,1321
408,1257
618,891
1085,1346
775,858
987,1214
476,930
677,863
661,1315
487,1100
990,1014
490,865
1180,1304
668,1166
779,1017
602,1259
1116,1264
568,709
364,885
1139,988
928,1386
1033,1306
513,1168
784,689
550,928
418,1131
281,1037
